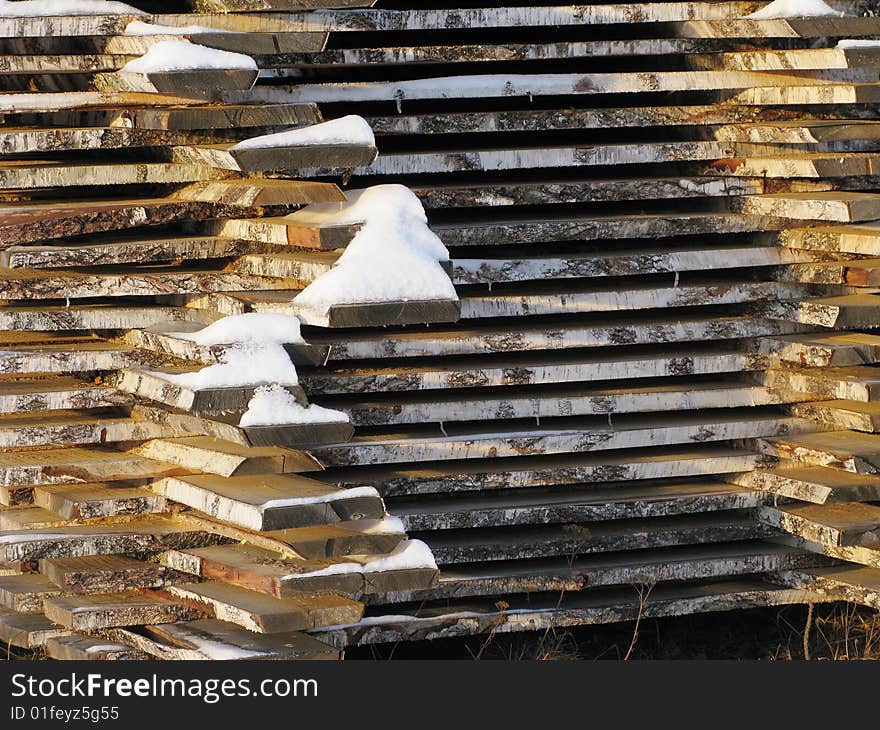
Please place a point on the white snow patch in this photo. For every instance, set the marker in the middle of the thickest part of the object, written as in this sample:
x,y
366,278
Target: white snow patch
x,y
265,327
11,103
41,8
857,43
181,55
352,493
386,526
393,257
98,648
214,649
409,555
274,406
352,130
793,9
240,366
140,28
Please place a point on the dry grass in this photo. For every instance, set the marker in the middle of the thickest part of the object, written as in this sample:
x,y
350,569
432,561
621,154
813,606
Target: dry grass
x,y
840,632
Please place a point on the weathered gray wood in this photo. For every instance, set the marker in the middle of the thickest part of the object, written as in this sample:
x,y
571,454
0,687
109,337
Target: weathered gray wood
x,y
536,471
559,505
579,437
563,401
456,619
649,567
55,394
499,543
537,368
470,339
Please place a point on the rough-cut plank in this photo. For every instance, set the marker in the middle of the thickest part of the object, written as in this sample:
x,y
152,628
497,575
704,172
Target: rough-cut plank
x,y
25,593
535,471
846,450
266,614
457,619
73,465
840,415
361,537
91,501
838,525
573,437
270,501
658,565
214,456
78,647
565,505
145,536
539,541
220,640
106,610
815,484
103,573
27,630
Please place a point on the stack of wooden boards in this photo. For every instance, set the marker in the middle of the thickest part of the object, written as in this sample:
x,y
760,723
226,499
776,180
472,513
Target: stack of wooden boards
x,y
657,399
138,518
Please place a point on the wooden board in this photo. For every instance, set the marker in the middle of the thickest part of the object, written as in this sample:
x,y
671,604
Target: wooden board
x,y
265,614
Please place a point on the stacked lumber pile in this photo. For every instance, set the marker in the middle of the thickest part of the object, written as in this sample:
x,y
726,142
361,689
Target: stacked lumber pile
x,y
142,516
659,218
651,397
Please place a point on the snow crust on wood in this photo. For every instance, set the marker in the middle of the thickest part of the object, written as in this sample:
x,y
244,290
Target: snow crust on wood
x,y
181,55
243,365
140,28
42,8
793,9
263,327
845,43
350,130
408,555
353,493
393,257
275,406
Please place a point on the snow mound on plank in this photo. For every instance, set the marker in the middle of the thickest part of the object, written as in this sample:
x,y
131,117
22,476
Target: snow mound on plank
x,y
140,28
393,257
181,55
408,555
275,406
240,366
793,9
259,327
350,130
41,8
